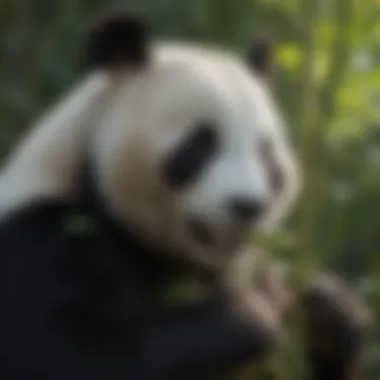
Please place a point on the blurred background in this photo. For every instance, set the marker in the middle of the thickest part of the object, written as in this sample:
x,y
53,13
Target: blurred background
x,y
327,80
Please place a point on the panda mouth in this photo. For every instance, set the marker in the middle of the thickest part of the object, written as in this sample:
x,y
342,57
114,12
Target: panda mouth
x,y
225,239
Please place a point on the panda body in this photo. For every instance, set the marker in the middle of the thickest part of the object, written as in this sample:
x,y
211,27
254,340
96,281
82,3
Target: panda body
x,y
173,153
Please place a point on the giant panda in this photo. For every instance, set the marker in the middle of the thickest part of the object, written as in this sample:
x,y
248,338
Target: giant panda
x,y
173,154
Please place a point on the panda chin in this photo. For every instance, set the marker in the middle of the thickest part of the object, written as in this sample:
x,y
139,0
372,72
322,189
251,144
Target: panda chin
x,y
224,240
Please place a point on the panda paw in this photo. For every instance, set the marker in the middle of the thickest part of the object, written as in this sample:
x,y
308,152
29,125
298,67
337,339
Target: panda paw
x,y
337,322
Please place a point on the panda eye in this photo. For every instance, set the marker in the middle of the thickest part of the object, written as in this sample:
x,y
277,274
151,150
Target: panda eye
x,y
189,159
266,148
276,177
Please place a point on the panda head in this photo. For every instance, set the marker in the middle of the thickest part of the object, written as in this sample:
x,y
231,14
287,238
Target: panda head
x,y
189,150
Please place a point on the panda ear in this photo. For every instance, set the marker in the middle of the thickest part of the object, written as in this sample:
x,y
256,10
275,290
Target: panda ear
x,y
260,57
118,40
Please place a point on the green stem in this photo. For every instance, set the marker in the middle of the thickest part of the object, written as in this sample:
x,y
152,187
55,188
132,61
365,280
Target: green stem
x,y
313,149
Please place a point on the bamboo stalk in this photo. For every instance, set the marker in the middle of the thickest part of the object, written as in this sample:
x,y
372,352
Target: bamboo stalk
x,y
313,156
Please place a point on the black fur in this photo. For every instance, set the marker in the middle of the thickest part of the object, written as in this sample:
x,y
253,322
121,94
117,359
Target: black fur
x,y
82,304
189,159
276,174
260,58
337,323
118,40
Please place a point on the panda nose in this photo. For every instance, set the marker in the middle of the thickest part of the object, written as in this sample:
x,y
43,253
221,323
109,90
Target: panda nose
x,y
247,210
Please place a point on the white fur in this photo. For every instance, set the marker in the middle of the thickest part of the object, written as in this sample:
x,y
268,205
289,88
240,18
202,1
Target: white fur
x,y
46,160
134,126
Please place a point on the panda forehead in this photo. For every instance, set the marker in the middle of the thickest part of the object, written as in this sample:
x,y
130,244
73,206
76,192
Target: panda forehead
x,y
184,87
197,83
184,91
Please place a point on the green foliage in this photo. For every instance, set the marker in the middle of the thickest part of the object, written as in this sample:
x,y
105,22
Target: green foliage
x,y
327,78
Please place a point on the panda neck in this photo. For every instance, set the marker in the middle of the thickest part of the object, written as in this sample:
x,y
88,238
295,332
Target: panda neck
x,y
91,203
151,259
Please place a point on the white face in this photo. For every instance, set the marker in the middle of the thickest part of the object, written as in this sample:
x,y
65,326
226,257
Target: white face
x,y
192,155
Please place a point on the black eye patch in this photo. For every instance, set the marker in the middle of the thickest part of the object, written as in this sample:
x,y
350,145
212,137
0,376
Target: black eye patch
x,y
276,176
187,161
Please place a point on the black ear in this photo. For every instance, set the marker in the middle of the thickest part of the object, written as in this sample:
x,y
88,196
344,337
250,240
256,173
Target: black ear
x,y
260,57
119,39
